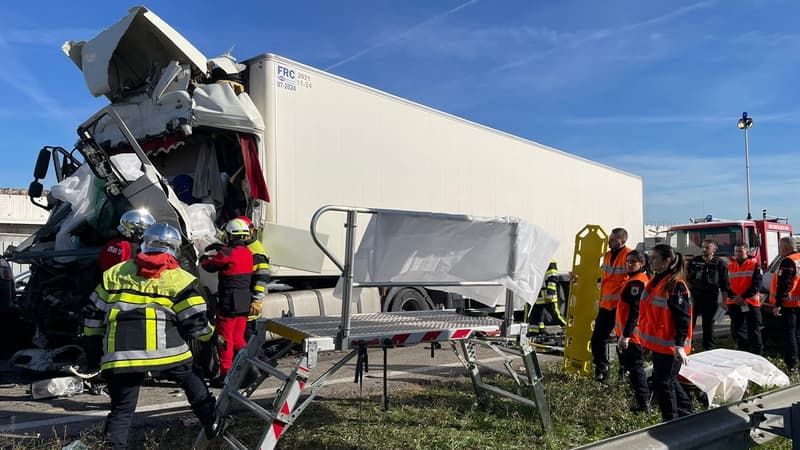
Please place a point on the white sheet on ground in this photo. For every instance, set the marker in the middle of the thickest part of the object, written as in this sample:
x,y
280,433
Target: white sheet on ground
x,y
723,374
418,247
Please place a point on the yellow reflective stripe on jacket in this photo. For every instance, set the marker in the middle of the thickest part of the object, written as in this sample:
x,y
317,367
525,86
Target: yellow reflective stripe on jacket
x,y
188,303
116,364
112,332
138,299
150,328
260,266
94,331
259,288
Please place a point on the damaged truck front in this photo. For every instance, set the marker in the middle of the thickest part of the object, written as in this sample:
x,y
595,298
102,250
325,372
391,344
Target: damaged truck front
x,y
180,138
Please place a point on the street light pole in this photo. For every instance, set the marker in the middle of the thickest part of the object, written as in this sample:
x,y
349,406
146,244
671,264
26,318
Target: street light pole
x,y
745,123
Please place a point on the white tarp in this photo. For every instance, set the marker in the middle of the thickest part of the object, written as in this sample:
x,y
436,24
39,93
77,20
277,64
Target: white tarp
x,y
438,247
723,374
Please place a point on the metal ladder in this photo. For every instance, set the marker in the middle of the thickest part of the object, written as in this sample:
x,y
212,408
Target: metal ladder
x,y
233,392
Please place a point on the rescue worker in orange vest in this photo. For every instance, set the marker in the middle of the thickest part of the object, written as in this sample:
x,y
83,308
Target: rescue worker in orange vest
x,y
627,319
615,274
785,294
665,328
744,301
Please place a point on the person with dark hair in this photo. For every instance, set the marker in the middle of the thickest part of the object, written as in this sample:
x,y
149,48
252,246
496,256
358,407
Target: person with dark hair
x,y
744,300
707,277
665,328
784,293
627,320
615,273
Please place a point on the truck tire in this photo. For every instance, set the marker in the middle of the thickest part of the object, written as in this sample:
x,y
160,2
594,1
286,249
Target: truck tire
x,y
408,299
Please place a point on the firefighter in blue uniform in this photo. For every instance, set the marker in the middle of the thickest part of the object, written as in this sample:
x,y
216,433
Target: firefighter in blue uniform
x,y
143,308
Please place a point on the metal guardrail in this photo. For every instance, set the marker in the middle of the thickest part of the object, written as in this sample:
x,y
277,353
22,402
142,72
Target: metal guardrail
x,y
740,425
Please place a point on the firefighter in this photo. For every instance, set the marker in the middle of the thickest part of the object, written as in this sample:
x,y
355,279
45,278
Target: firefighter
x,y
625,327
744,300
143,307
665,328
260,278
707,277
234,264
615,274
132,224
547,300
785,295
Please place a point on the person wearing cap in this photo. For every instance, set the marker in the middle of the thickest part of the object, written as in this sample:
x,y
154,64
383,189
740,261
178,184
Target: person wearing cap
x,y
260,278
234,265
132,225
143,307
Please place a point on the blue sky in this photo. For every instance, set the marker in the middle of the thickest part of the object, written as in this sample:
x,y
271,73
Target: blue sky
x,y
653,88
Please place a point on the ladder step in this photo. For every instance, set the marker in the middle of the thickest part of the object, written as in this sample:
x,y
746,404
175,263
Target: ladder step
x,y
233,442
252,406
267,368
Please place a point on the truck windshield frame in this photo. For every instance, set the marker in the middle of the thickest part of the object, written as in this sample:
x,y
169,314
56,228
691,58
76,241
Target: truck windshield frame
x,y
688,241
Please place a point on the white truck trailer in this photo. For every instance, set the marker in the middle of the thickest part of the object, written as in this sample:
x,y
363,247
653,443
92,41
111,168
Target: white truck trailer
x,y
314,138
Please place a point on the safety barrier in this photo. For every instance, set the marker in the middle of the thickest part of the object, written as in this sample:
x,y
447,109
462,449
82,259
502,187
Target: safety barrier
x,y
740,425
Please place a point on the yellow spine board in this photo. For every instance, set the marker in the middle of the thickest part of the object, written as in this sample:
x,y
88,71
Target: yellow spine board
x,y
584,298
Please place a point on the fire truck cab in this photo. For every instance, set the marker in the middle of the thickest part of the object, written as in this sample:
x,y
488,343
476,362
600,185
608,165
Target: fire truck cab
x,y
761,236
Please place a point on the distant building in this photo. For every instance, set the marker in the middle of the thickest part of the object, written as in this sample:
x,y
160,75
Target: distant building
x,y
19,218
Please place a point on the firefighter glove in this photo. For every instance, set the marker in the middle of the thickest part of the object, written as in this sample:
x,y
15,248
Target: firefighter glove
x,y
221,342
255,308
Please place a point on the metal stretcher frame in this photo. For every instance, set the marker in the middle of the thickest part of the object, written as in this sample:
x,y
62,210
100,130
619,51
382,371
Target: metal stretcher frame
x,y
383,330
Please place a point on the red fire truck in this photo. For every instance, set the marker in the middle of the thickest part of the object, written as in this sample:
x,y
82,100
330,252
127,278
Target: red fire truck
x,y
761,236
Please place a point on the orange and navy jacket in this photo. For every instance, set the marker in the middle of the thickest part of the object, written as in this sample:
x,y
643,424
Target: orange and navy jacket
x,y
745,280
628,306
615,274
665,317
784,291
234,264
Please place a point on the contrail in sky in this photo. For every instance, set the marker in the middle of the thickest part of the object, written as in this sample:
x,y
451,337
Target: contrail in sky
x,y
400,35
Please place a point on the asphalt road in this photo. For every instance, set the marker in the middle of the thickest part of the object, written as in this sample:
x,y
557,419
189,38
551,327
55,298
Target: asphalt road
x,y
21,415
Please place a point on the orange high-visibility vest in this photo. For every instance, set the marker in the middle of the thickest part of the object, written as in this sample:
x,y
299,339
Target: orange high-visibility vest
x,y
794,292
656,327
741,276
624,310
615,274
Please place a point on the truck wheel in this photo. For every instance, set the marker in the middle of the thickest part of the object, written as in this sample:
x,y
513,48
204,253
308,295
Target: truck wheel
x,y
408,299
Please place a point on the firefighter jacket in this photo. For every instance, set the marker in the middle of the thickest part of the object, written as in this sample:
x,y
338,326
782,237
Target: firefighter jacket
x,y
144,309
615,273
784,291
706,279
234,265
665,316
628,306
549,291
261,276
114,252
745,281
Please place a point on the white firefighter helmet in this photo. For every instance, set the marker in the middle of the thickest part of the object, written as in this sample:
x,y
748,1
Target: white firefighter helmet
x,y
134,222
237,228
161,238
